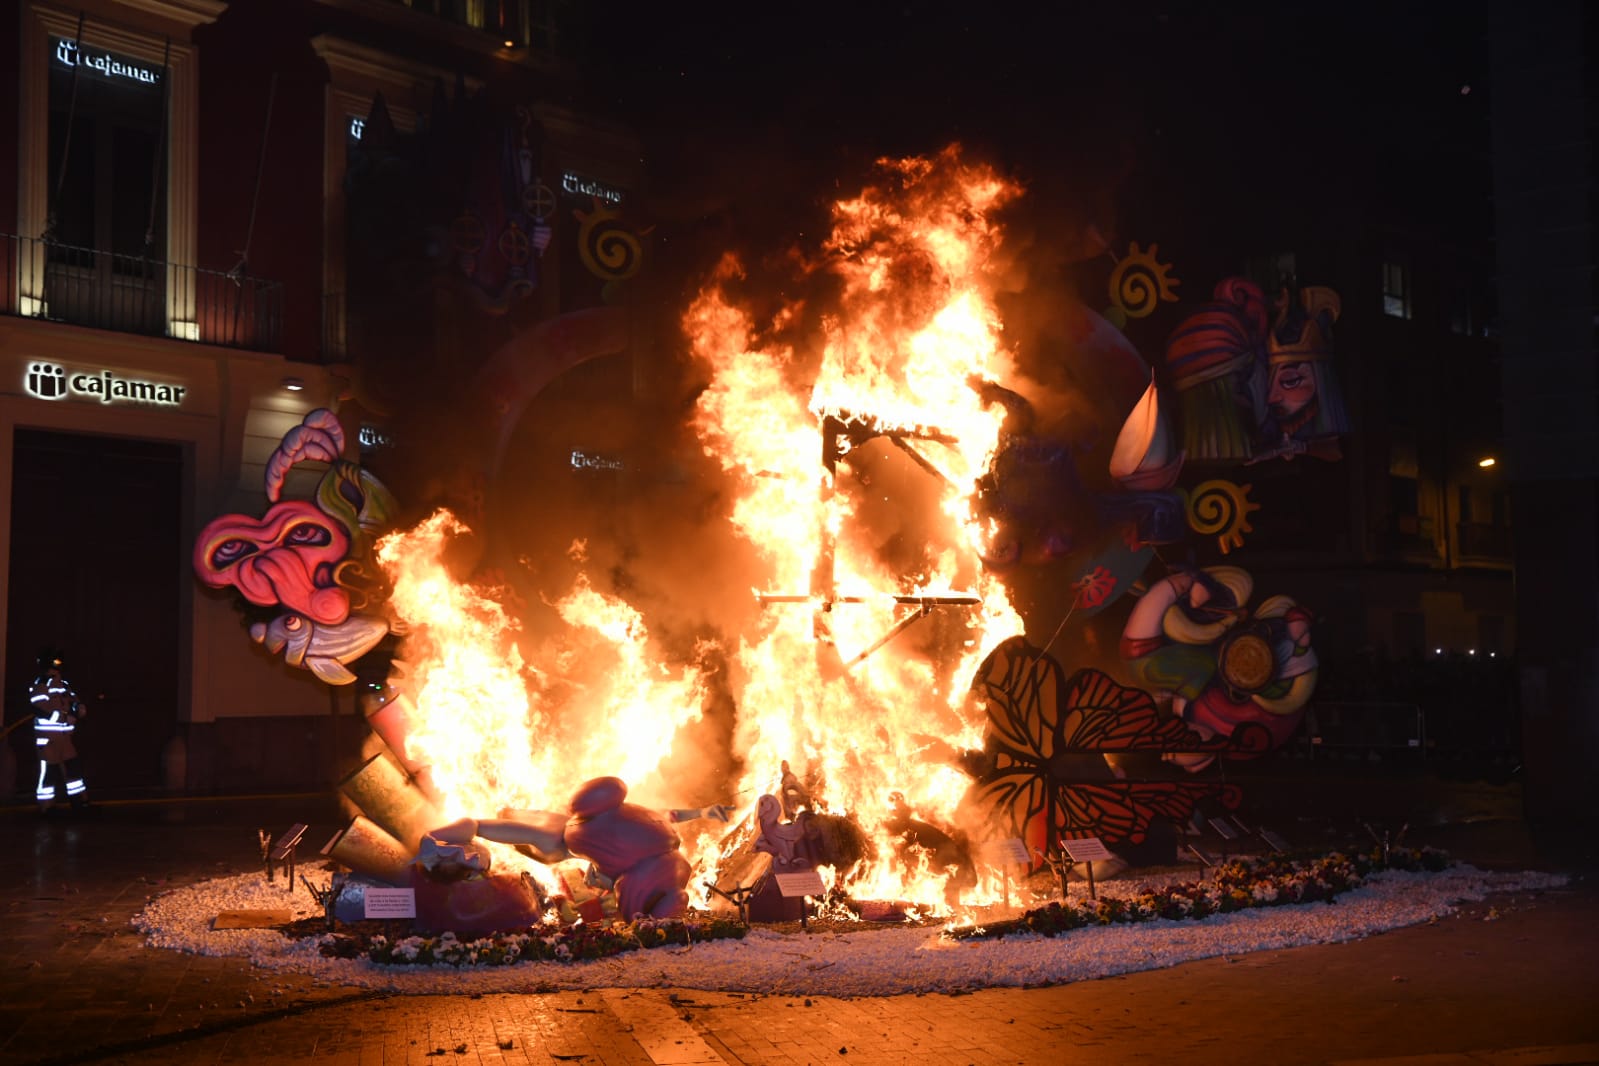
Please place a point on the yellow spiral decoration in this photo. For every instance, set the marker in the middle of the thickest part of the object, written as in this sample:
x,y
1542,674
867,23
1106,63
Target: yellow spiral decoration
x,y
1140,281
607,247
1220,507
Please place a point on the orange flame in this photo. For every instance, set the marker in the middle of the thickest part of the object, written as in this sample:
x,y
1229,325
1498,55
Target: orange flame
x,y
850,678
915,327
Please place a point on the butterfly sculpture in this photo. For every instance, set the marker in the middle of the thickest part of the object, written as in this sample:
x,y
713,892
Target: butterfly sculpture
x,y
1043,774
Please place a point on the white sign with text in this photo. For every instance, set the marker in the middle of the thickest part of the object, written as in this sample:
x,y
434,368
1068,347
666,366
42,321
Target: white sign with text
x,y
53,381
390,903
1086,849
804,883
72,54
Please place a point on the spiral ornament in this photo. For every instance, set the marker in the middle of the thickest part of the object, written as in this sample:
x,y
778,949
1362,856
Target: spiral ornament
x,y
609,249
1140,282
1220,508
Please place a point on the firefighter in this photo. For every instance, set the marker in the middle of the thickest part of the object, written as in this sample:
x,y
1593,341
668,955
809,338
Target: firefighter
x,y
56,711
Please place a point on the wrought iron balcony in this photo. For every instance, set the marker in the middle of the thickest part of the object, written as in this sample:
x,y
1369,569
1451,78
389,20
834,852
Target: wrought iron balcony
x,y
131,294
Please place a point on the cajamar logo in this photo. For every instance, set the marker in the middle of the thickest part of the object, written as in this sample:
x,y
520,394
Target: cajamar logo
x,y
48,381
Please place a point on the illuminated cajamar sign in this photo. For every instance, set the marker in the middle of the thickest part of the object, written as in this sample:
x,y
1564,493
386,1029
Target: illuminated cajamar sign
x,y
48,381
578,185
72,54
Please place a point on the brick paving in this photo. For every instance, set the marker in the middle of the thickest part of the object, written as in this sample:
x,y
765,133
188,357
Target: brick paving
x,y
1508,981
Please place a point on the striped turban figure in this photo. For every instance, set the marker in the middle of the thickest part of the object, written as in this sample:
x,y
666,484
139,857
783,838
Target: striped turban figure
x,y
1216,357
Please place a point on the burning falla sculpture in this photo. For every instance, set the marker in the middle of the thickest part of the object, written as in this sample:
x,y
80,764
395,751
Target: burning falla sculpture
x,y
932,429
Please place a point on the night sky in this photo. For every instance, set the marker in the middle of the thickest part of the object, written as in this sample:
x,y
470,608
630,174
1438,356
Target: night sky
x,y
761,110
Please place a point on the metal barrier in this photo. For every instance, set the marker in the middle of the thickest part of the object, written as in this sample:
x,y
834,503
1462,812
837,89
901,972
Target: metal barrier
x,y
1380,727
58,282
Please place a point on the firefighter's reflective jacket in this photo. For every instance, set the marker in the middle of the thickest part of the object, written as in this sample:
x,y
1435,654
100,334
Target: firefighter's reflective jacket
x,y
56,711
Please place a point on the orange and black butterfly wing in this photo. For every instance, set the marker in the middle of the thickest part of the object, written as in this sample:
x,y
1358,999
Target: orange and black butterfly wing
x,y
1016,802
1021,687
1100,715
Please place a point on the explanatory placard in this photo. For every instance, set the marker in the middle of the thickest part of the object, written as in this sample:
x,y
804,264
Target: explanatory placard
x,y
804,883
390,903
1086,849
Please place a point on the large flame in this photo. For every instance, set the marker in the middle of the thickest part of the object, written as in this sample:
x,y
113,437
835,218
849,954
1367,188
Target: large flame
x,y
916,327
852,465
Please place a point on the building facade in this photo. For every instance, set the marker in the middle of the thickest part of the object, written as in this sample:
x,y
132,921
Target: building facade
x,y
214,219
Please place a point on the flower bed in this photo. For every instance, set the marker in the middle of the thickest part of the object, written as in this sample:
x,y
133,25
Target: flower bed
x,y
543,944
1239,884
1233,886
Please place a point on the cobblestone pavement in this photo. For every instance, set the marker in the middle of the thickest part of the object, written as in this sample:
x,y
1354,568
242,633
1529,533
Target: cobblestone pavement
x,y
1505,981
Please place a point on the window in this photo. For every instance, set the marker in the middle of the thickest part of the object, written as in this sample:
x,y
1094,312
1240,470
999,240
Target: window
x,y
107,187
135,101
1395,290
107,190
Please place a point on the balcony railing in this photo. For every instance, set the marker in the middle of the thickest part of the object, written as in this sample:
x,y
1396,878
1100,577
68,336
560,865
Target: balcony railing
x,y
131,294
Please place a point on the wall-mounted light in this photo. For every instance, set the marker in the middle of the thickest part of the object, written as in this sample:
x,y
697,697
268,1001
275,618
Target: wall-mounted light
x,y
1486,461
510,43
293,384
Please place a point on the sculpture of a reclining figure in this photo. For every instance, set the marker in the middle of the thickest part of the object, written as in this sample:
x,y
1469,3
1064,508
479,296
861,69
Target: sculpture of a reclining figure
x,y
632,847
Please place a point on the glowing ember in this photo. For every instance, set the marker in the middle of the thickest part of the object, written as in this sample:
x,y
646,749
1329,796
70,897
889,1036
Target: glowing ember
x,y
851,465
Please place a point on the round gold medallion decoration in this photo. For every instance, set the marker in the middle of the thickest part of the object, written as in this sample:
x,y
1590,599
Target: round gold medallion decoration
x,y
1247,663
